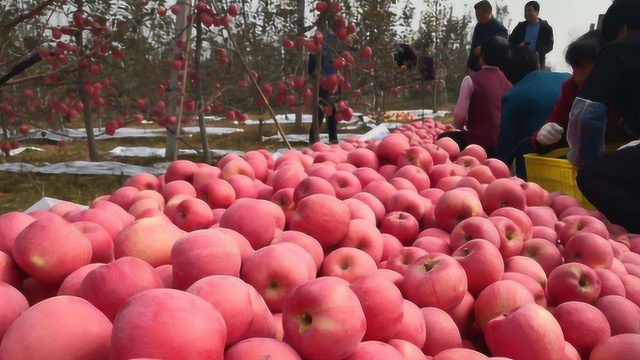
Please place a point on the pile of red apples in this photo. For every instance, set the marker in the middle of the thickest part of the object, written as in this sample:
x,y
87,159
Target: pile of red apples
x,y
401,248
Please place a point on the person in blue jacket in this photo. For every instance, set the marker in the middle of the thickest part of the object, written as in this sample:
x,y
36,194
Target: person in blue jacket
x,y
526,106
486,28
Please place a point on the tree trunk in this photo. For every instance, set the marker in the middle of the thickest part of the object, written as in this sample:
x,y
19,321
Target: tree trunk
x,y
300,51
171,150
315,108
86,102
204,139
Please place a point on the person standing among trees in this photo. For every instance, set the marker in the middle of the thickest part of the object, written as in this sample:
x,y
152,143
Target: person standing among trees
x,y
487,27
325,95
535,32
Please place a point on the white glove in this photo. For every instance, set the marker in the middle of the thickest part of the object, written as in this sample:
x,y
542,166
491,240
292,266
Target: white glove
x,y
549,134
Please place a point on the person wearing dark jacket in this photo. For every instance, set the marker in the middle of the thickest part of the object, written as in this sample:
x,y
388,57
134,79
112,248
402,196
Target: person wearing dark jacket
x,y
581,55
535,32
610,181
487,27
326,96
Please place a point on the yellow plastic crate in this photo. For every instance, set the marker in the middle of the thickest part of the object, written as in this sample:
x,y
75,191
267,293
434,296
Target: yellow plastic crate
x,y
554,172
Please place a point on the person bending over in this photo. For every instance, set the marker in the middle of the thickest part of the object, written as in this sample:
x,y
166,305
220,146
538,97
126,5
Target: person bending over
x,y
610,181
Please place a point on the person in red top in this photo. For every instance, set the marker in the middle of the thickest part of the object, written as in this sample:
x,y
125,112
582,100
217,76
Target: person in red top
x,y
476,117
581,56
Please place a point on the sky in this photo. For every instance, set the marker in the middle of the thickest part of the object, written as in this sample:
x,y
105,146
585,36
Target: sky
x,y
568,18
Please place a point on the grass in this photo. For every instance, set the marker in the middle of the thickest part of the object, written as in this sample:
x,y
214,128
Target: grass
x,y
18,191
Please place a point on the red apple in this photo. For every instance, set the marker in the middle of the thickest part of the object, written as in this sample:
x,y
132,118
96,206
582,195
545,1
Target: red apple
x,y
374,350
611,283
482,263
528,266
203,253
261,348
581,223
345,184
475,227
590,249
619,347
275,270
382,304
573,282
435,280
108,287
442,331
231,297
543,252
318,212
455,206
622,314
408,350
501,193
143,181
583,325
412,328
255,219
499,298
348,263
188,327
323,319
541,216
13,304
512,334
149,239
534,287
51,258
63,327
400,224
10,272
71,284
460,353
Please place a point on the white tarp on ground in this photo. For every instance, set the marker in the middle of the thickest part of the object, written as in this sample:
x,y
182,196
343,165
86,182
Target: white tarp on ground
x,y
47,203
117,168
86,168
142,151
306,118
70,134
305,137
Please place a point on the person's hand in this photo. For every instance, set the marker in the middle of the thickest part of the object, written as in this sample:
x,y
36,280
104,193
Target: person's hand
x,y
549,134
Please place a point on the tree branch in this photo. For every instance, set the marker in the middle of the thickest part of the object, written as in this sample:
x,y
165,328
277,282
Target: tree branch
x,y
26,16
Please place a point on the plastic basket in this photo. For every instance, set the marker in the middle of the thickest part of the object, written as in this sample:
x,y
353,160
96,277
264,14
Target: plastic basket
x,y
554,172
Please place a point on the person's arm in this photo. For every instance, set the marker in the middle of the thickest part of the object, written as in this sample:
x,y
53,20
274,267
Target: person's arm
x,y
474,43
508,138
503,32
560,116
461,112
514,38
547,41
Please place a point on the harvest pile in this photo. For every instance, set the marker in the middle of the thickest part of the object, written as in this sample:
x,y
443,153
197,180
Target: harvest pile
x,y
400,248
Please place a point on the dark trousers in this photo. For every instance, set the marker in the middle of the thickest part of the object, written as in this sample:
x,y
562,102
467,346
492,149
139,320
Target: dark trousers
x,y
611,183
460,137
332,123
